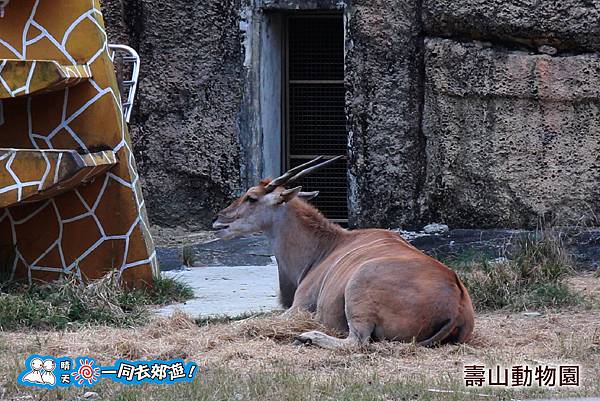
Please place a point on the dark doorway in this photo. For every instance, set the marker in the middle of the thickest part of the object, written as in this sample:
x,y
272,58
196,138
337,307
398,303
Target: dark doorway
x,y
314,115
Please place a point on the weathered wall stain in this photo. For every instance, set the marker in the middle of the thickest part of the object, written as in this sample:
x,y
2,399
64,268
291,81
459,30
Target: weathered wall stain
x,y
511,135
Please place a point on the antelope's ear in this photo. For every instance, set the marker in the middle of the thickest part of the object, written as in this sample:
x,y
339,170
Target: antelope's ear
x,y
308,195
289,194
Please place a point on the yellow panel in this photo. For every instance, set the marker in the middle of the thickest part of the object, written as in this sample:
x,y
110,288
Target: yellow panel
x,y
71,227
26,77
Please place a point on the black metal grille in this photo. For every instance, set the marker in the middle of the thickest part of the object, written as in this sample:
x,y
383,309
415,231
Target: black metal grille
x,y
316,119
331,182
316,48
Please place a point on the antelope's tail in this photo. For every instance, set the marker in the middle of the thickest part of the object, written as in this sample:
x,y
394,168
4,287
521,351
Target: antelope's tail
x,y
441,335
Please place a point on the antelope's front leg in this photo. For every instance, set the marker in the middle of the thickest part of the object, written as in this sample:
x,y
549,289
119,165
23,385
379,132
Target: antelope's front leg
x,y
294,310
326,341
302,303
289,313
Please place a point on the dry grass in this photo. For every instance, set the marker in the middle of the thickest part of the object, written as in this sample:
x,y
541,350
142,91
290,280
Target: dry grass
x,y
253,358
277,328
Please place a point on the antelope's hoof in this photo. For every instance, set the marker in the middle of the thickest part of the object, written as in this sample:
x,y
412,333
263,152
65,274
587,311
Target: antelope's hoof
x,y
302,341
306,338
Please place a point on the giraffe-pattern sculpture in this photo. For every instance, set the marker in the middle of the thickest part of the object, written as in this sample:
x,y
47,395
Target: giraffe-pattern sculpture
x,y
70,195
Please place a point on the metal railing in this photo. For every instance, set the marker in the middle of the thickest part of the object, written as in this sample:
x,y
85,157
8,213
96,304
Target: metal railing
x,y
131,57
3,4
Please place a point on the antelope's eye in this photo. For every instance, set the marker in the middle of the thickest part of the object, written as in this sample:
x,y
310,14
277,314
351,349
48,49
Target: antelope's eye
x,y
251,199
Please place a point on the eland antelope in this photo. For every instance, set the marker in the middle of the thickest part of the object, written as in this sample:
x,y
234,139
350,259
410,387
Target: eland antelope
x,y
371,283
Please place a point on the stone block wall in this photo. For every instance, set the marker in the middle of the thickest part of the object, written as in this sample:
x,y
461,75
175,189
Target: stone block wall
x,y
471,113
511,112
384,64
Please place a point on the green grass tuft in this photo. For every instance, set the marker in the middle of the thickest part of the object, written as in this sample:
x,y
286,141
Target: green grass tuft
x,y
70,303
531,276
167,290
188,255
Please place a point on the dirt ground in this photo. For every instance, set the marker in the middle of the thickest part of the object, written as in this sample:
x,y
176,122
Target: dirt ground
x,y
179,236
254,358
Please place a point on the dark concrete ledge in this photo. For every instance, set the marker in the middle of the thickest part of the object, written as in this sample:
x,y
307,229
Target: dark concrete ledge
x,y
246,251
584,244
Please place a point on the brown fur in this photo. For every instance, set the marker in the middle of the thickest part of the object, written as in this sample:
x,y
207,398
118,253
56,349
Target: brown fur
x,y
314,220
368,283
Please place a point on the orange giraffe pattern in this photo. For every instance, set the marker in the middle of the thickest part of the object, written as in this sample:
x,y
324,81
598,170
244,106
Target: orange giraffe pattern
x,y
34,175
71,103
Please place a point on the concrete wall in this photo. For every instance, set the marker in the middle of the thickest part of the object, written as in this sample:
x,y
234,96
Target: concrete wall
x,y
384,70
185,122
511,111
473,113
565,24
510,135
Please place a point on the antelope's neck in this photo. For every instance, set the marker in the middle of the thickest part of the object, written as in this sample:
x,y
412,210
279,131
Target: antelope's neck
x,y
301,239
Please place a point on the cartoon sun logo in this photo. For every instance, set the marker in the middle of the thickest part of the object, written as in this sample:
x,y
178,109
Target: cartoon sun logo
x,y
86,372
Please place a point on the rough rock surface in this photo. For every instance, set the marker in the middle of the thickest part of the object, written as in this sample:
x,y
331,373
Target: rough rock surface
x,y
184,124
510,135
565,24
467,133
384,97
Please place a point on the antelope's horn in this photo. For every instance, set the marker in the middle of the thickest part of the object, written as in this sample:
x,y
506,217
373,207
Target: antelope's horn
x,y
283,179
309,170
308,195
